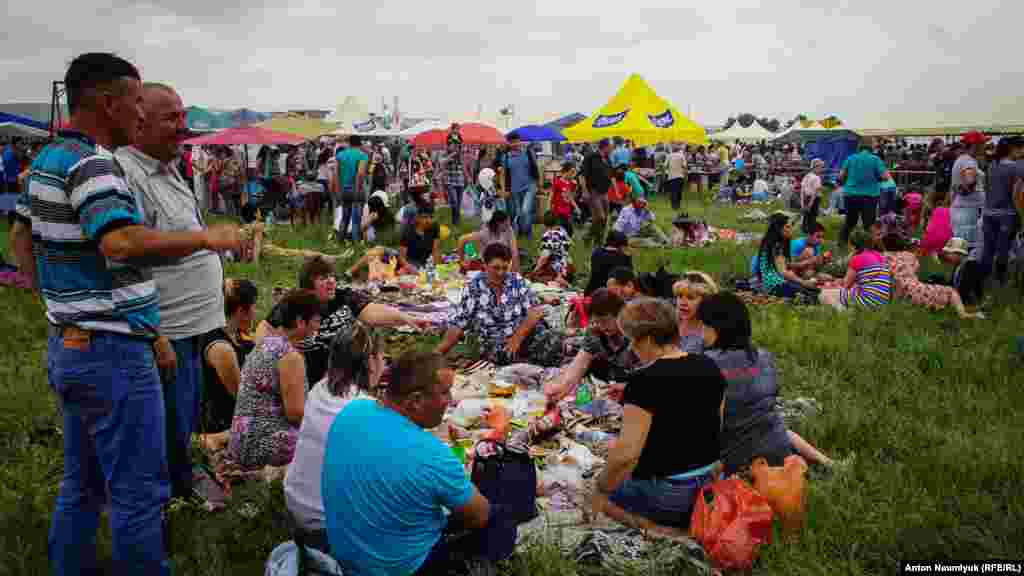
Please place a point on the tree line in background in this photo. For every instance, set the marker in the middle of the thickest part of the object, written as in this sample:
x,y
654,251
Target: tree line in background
x,y
772,124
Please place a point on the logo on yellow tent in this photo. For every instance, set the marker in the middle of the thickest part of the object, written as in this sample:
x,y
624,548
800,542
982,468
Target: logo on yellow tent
x,y
606,120
663,120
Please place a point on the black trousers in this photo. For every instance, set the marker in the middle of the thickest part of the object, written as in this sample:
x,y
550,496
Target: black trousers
x,y
863,208
811,217
674,187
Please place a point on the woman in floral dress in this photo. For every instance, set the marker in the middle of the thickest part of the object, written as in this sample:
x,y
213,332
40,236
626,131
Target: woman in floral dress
x,y
905,266
272,393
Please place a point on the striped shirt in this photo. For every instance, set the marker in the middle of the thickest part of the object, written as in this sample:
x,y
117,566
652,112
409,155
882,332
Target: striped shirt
x,y
76,193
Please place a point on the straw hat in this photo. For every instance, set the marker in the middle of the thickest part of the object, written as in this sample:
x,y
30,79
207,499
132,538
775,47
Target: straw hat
x,y
956,246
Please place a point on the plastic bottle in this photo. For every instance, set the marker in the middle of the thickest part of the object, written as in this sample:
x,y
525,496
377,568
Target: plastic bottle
x,y
431,273
583,395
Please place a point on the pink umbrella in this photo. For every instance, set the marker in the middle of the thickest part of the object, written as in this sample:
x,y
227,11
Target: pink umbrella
x,y
245,135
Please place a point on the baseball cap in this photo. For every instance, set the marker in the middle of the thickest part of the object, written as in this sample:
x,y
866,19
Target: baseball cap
x,y
974,137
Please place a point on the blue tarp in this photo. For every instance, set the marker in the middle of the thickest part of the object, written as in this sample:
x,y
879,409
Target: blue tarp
x,y
833,151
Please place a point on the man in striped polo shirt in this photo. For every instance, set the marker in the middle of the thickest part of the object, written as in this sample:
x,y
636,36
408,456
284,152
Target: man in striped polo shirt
x,y
91,249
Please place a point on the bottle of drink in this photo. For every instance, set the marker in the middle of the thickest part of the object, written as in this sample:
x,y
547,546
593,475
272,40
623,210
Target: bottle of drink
x,y
431,274
583,395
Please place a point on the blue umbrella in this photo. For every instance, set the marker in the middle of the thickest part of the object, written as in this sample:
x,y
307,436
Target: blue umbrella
x,y
534,133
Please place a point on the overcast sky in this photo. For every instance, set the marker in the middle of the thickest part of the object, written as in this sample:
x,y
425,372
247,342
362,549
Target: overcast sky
x,y
873,63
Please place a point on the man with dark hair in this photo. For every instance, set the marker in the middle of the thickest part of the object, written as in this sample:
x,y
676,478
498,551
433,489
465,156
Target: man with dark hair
x,y
622,282
385,515
351,186
102,307
422,242
521,178
191,289
597,179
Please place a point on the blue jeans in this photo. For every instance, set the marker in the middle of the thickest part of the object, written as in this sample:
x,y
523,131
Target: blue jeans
x,y
662,501
998,232
182,399
113,445
523,206
455,202
351,211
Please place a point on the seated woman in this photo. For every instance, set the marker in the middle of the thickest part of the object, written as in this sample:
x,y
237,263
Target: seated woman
x,y
773,272
689,291
273,390
604,352
868,282
752,427
224,352
606,258
669,443
497,230
356,365
341,307
905,267
507,315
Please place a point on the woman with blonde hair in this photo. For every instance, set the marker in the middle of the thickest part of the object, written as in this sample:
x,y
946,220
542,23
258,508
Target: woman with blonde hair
x,y
662,459
689,291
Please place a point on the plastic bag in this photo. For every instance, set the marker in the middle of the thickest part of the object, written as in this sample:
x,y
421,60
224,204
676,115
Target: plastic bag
x,y
784,487
469,412
731,521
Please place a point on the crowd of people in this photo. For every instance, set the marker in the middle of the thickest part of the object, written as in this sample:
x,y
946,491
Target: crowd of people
x,y
150,346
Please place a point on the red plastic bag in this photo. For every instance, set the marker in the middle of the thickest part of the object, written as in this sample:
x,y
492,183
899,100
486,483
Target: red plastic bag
x,y
731,521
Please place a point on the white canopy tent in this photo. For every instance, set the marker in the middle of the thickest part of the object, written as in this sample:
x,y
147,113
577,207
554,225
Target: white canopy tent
x,y
736,133
423,127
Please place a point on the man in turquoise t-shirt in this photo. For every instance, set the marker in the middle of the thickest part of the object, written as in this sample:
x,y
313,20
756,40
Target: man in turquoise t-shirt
x,y
352,163
390,487
861,174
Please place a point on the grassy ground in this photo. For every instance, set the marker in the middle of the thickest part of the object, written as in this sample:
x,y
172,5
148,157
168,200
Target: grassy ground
x,y
922,404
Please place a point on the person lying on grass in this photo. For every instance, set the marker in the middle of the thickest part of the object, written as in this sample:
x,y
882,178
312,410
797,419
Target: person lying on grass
x,y
690,291
905,267
669,445
554,264
507,315
752,427
868,282
224,351
604,352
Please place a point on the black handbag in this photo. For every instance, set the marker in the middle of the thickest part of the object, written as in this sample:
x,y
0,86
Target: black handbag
x,y
508,479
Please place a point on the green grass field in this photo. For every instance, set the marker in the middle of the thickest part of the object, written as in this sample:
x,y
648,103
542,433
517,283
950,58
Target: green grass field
x,y
921,404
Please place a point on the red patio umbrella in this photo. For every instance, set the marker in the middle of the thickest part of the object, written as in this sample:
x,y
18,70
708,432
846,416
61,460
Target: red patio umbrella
x,y
473,134
245,135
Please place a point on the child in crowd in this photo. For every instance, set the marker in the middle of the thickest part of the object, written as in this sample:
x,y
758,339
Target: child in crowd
x,y
690,290
967,277
868,282
912,209
622,281
554,263
563,196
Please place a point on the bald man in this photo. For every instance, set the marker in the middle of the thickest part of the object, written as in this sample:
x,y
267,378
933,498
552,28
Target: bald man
x,y
190,288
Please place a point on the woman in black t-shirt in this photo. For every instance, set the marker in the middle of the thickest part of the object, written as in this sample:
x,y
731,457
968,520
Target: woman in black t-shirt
x,y
662,459
607,258
224,352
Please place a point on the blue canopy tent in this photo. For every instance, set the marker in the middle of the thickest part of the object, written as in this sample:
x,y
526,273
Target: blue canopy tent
x,y
535,133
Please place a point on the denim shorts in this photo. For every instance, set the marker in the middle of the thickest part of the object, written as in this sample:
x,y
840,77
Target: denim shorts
x,y
662,501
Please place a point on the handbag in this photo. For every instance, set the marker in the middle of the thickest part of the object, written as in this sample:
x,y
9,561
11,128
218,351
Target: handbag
x,y
508,479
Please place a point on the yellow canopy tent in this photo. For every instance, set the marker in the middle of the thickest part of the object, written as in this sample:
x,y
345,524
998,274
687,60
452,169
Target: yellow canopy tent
x,y
639,114
309,128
